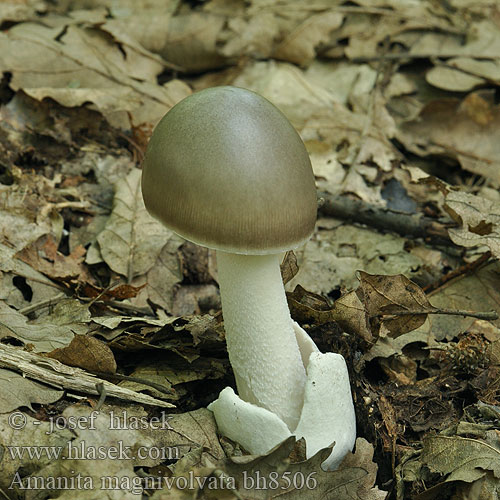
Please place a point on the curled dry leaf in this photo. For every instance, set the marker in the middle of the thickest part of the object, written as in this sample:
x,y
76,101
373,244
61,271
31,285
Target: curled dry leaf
x,y
480,220
87,66
465,130
464,459
289,267
308,307
299,45
474,464
364,311
43,256
349,312
355,478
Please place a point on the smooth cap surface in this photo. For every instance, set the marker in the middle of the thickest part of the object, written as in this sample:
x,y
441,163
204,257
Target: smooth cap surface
x,y
225,169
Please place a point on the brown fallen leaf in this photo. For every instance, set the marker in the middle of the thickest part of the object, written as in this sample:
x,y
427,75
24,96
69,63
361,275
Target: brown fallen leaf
x,y
480,220
88,353
465,130
349,312
306,306
132,240
389,295
270,476
119,292
87,65
38,337
463,460
43,256
289,267
17,390
299,46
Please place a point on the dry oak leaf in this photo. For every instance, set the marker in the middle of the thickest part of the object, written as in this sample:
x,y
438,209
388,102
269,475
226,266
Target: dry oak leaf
x,y
88,353
355,477
41,337
132,240
480,219
299,46
466,130
75,65
464,459
17,390
386,295
43,256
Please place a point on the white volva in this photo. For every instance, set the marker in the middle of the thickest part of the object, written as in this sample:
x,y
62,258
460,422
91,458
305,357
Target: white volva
x,y
326,418
260,335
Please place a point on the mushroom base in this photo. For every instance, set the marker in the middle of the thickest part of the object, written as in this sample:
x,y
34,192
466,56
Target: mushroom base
x,y
327,417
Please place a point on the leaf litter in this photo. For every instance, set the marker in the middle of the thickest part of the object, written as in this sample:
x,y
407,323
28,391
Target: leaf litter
x,y
99,303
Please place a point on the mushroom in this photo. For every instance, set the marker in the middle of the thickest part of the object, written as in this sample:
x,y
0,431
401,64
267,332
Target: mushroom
x,y
225,169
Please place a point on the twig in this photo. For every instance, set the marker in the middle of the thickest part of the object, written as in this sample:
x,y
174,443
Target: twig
x,y
104,291
43,303
128,307
138,380
137,149
115,304
487,315
408,55
459,271
384,219
102,395
4,495
43,280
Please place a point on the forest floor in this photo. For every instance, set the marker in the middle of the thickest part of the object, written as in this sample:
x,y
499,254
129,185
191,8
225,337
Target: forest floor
x,y
111,333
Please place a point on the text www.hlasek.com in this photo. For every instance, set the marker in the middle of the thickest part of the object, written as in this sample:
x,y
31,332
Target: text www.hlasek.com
x,y
82,452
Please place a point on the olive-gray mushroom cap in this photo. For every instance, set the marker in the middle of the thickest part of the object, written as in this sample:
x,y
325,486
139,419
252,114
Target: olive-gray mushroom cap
x,y
225,169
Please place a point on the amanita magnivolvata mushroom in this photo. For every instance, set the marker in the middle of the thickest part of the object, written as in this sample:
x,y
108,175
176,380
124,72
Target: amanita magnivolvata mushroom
x,y
225,169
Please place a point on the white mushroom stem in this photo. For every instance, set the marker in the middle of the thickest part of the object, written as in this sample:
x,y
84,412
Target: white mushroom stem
x,y
260,337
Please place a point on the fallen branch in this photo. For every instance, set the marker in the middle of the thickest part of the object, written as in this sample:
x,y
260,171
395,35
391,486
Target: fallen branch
x,y
56,374
384,219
